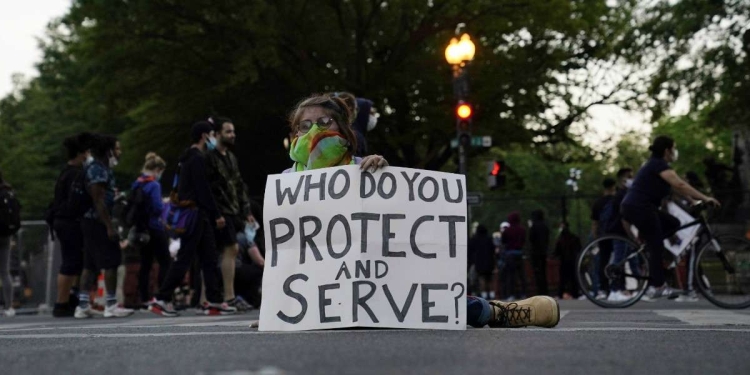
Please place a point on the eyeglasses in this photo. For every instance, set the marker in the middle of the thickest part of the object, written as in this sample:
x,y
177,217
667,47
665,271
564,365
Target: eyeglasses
x,y
323,122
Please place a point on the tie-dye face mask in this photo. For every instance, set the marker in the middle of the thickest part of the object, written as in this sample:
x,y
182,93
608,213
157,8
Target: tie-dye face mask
x,y
319,149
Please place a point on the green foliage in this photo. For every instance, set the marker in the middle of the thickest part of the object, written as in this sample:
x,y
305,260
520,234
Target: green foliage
x,y
146,69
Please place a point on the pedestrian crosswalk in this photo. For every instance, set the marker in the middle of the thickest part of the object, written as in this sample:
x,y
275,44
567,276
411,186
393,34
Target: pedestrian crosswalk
x,y
146,325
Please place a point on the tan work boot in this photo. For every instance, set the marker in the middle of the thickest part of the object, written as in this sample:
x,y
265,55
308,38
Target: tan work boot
x,y
540,311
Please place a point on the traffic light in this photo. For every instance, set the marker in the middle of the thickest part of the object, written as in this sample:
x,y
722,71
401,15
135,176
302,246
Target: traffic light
x,y
463,123
495,174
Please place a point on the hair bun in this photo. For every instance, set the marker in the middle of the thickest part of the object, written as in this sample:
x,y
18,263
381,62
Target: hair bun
x,y
151,156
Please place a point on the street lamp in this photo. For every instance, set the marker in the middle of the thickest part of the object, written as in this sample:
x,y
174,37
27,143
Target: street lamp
x,y
458,54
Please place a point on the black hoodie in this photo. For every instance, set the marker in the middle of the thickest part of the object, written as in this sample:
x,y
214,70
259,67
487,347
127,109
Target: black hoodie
x,y
193,182
360,125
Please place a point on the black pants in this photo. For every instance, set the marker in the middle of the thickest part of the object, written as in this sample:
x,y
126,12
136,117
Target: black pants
x,y
157,248
514,270
70,235
605,254
201,242
653,227
247,281
568,282
539,263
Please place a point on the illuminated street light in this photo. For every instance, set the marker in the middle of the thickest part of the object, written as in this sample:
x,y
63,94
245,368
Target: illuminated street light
x,y
461,51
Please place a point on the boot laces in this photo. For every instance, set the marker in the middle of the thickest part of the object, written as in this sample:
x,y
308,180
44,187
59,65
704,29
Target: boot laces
x,y
512,314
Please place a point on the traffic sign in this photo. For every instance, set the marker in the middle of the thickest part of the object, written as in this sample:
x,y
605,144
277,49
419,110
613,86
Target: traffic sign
x,y
474,198
476,141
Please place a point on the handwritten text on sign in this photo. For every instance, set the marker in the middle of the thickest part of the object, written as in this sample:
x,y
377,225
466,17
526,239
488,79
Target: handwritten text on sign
x,y
346,248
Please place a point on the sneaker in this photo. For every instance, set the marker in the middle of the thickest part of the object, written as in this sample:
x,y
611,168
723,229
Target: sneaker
x,y
540,311
617,296
117,311
687,297
10,312
63,310
601,295
162,308
84,313
219,309
240,304
661,292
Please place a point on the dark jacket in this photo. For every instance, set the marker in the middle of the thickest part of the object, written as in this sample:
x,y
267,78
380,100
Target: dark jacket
x,y
483,251
514,237
227,187
568,246
538,235
60,208
360,125
193,182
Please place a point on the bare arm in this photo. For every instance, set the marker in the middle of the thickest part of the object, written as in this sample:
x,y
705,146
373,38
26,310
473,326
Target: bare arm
x,y
98,192
683,188
256,256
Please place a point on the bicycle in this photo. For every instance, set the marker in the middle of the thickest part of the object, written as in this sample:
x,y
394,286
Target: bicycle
x,y
720,268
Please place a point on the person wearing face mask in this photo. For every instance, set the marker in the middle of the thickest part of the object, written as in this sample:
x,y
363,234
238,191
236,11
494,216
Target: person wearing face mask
x,y
640,207
65,218
324,138
151,241
193,190
101,244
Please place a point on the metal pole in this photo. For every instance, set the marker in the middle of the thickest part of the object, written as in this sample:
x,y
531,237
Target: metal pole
x,y
50,264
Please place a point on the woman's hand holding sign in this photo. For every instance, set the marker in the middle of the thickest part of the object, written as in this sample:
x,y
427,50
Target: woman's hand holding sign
x,y
373,163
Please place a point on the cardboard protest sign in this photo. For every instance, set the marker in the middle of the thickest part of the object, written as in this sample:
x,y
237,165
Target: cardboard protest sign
x,y
685,236
346,248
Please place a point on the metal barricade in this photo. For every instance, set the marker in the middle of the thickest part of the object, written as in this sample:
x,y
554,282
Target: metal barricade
x,y
34,261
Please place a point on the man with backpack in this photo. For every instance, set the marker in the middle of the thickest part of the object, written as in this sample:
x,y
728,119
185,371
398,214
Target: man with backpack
x,y
602,213
192,214
231,196
101,241
10,224
64,217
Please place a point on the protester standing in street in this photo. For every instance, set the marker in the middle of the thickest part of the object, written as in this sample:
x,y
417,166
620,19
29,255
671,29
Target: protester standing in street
x,y
539,239
514,238
194,192
65,214
149,226
616,226
566,249
232,200
101,241
10,224
483,250
324,138
601,217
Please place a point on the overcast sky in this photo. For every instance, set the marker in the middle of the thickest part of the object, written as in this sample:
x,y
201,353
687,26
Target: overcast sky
x,y
23,21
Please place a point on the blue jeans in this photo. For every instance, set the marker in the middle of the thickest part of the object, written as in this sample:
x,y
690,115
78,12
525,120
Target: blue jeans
x,y
619,252
478,312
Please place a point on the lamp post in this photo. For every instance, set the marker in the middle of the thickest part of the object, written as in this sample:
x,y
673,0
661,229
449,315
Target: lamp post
x,y
459,54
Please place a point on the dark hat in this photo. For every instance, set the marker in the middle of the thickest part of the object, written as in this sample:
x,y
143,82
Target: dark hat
x,y
200,128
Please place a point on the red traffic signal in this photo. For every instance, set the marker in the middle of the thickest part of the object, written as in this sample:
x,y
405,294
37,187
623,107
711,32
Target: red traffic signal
x,y
463,111
496,168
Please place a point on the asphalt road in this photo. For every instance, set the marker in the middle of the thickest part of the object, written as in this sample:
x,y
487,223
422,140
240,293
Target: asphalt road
x,y
649,338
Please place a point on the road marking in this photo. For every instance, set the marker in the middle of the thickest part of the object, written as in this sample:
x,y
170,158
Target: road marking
x,y
706,317
46,336
563,313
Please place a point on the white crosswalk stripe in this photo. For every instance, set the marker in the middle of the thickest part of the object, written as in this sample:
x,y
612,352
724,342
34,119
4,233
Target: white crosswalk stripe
x,y
706,317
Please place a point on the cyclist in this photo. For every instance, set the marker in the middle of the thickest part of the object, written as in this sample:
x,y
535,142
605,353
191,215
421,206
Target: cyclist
x,y
640,207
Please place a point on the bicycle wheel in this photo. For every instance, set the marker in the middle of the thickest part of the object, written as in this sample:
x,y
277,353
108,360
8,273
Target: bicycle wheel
x,y
625,271
722,272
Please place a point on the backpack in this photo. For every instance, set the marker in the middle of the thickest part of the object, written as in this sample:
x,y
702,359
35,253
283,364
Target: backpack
x,y
10,213
607,217
79,199
135,212
179,217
